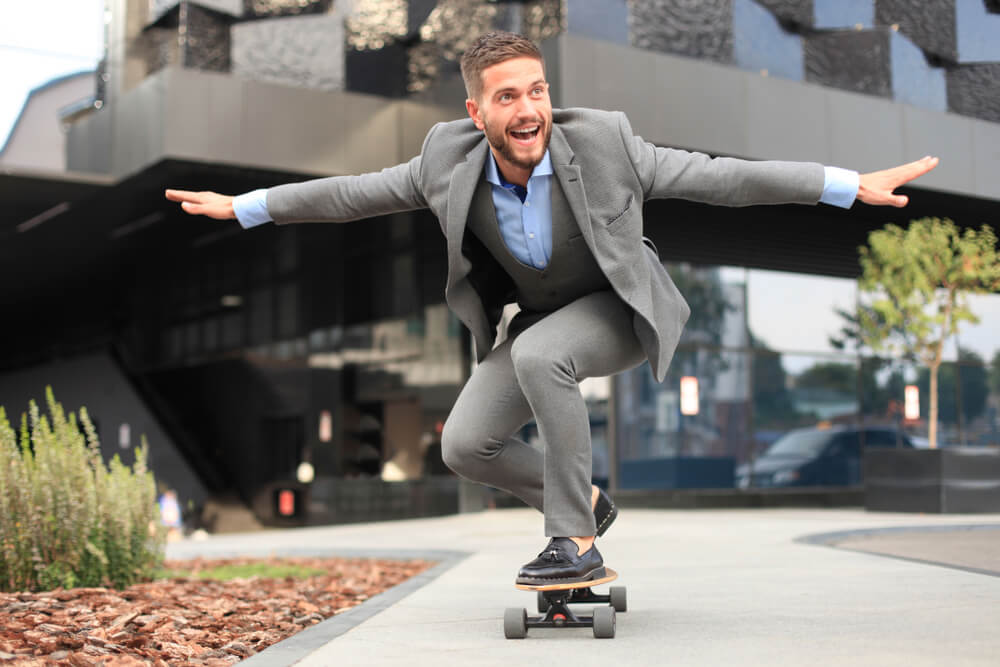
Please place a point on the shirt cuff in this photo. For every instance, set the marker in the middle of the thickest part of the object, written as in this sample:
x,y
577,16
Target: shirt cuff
x,y
251,208
840,187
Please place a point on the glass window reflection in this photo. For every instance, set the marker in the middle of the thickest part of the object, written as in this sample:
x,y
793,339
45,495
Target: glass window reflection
x,y
797,312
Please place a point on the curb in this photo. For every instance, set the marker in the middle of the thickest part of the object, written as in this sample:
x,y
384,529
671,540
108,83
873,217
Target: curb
x,y
303,643
833,539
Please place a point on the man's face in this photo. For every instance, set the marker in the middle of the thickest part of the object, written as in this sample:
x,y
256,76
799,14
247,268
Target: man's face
x,y
515,112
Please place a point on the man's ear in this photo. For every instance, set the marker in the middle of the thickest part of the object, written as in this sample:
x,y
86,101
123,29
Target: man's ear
x,y
473,109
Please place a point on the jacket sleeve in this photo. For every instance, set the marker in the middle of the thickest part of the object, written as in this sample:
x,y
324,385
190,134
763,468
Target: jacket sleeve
x,y
344,198
672,173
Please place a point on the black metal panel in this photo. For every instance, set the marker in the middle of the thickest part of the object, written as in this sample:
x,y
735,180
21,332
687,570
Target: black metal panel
x,y
974,464
793,13
270,8
160,8
206,39
417,12
930,25
955,479
850,60
697,28
379,72
993,6
974,90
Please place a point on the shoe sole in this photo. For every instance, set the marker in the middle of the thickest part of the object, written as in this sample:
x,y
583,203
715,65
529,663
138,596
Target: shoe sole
x,y
609,518
598,573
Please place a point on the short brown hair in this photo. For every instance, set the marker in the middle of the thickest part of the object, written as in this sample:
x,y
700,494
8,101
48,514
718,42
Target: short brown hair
x,y
490,49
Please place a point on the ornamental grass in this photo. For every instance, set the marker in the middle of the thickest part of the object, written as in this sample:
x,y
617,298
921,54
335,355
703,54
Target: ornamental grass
x,y
66,518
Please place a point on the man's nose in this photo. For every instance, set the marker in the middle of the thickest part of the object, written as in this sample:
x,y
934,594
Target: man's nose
x,y
524,106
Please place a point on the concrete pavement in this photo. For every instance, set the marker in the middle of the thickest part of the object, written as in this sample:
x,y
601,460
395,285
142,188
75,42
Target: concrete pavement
x,y
705,587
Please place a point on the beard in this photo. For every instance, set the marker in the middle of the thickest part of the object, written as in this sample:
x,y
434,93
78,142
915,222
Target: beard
x,y
497,138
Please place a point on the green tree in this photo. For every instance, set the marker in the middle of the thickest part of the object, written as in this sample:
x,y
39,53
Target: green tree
x,y
772,403
914,284
842,378
973,387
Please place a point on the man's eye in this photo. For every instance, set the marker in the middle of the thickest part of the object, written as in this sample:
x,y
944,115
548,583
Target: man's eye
x,y
505,97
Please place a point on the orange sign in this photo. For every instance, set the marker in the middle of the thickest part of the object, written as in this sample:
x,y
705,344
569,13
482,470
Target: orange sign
x,y
286,502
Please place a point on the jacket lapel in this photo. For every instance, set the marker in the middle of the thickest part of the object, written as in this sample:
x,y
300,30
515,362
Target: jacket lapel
x,y
569,177
464,179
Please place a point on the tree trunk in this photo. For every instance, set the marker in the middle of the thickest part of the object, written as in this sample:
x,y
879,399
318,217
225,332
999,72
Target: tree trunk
x,y
933,417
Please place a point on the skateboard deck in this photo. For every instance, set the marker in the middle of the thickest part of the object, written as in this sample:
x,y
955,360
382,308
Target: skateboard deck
x,y
554,601
610,576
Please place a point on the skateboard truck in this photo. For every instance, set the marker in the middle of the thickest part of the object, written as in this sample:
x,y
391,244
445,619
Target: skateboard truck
x,y
554,601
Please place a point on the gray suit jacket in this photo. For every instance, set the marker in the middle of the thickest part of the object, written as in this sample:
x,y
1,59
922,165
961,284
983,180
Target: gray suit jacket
x,y
605,171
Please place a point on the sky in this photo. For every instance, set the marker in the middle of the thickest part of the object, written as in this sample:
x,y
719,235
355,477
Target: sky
x,y
41,40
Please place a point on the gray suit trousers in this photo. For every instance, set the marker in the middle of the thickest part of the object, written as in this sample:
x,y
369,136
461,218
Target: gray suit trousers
x,y
535,374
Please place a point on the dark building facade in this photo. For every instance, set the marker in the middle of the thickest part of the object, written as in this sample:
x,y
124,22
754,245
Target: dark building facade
x,y
243,354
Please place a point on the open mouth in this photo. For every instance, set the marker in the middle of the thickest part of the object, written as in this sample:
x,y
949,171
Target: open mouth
x,y
525,135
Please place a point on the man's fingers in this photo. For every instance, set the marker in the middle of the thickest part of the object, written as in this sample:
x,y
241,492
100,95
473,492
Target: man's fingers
x,y
183,195
907,172
189,196
207,203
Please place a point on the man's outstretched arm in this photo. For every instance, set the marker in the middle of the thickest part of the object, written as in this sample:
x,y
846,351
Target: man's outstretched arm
x,y
333,199
673,173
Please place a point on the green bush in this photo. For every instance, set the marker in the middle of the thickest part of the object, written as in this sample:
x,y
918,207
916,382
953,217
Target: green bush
x,y
66,519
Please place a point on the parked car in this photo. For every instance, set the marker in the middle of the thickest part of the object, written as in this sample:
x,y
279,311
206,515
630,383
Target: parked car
x,y
817,457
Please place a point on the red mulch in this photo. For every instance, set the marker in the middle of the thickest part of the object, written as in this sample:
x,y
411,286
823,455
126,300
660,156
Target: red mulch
x,y
185,621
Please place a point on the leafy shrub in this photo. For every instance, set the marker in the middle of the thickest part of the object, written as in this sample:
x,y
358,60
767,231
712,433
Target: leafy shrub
x,y
66,519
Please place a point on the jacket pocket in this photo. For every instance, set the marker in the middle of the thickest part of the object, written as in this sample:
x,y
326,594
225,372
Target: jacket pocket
x,y
621,216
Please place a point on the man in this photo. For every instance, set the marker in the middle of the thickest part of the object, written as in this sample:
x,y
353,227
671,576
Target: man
x,y
545,210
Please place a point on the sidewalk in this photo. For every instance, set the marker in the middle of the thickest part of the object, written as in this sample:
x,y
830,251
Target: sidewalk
x,y
706,587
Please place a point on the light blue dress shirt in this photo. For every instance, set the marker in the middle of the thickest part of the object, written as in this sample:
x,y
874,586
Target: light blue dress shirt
x,y
526,226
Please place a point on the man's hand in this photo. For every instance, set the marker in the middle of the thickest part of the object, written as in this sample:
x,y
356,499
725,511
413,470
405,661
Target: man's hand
x,y
876,188
211,204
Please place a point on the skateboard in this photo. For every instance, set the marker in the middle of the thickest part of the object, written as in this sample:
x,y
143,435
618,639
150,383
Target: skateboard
x,y
554,601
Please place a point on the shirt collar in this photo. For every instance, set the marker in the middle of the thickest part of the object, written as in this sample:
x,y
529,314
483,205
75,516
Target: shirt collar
x,y
543,168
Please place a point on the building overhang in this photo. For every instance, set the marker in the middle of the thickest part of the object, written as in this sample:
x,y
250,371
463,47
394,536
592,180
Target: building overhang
x,y
722,110
31,196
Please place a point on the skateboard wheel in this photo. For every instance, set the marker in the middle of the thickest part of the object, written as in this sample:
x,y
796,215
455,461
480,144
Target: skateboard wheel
x,y
515,623
618,599
543,603
604,622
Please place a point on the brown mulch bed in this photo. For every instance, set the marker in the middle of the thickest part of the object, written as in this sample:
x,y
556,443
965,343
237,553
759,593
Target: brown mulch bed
x,y
186,621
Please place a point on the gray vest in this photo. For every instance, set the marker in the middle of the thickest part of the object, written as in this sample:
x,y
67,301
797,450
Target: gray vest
x,y
572,271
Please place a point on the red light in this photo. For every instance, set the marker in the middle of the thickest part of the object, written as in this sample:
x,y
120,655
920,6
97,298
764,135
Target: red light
x,y
286,502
